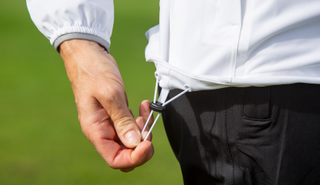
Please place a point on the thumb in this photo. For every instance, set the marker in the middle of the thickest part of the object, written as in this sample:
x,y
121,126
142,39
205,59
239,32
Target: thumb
x,y
126,128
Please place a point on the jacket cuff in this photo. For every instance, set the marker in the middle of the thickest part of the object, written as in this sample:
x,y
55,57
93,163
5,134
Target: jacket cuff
x,y
83,36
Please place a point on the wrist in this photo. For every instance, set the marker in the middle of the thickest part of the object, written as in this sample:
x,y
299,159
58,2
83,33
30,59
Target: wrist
x,y
84,54
76,46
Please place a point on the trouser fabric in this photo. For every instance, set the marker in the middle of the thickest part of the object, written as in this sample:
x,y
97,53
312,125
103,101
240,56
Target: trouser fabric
x,y
247,136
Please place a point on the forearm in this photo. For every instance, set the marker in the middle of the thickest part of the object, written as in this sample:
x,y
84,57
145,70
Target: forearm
x,y
95,78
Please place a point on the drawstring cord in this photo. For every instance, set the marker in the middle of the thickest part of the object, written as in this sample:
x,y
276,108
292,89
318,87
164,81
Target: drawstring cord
x,y
159,107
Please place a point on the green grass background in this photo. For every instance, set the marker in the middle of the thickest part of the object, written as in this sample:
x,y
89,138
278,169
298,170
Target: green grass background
x,y
41,142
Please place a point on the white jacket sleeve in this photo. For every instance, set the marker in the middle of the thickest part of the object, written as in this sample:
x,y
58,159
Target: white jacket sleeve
x,y
61,20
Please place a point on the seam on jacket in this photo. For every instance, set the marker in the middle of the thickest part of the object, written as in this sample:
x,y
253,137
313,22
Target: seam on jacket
x,y
84,36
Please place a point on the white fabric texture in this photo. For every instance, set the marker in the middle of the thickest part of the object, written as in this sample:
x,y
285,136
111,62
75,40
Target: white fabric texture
x,y
210,44
55,18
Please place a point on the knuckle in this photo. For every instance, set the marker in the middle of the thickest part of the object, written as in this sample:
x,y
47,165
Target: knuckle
x,y
113,98
111,94
123,122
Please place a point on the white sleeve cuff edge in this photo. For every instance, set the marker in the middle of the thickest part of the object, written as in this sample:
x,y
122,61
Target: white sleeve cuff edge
x,y
83,36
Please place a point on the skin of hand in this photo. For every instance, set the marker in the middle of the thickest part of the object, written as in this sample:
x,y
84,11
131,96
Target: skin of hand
x,y
102,105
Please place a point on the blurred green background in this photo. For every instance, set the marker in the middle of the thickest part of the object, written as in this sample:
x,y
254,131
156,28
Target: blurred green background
x,y
40,137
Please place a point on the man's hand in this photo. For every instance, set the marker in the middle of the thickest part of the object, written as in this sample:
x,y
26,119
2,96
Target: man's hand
x,y
102,105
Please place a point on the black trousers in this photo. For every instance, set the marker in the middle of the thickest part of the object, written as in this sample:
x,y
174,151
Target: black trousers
x,y
247,136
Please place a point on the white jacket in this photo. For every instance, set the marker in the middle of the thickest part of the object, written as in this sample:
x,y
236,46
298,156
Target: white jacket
x,y
206,44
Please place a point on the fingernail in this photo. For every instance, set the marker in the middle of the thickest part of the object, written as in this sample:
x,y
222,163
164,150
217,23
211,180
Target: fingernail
x,y
132,137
